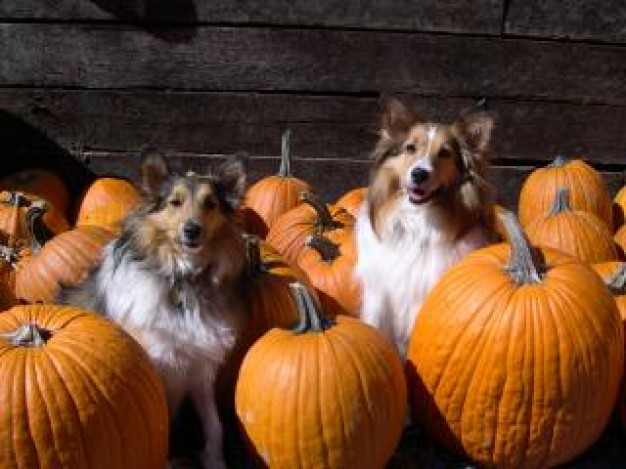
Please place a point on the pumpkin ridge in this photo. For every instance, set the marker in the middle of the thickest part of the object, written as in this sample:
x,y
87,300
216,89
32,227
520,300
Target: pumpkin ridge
x,y
19,377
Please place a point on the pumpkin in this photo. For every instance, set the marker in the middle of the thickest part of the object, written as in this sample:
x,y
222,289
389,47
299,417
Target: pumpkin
x,y
289,231
574,232
619,208
109,216
352,200
620,239
516,356
7,283
330,267
77,392
41,183
587,190
106,192
64,261
14,213
324,394
272,196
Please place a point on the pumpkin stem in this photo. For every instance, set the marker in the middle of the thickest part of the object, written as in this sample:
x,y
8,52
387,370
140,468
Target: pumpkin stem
x,y
37,229
326,248
325,220
561,202
285,155
311,318
617,283
28,335
525,266
558,162
253,255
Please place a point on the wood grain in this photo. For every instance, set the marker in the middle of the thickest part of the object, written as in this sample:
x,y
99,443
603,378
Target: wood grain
x,y
265,59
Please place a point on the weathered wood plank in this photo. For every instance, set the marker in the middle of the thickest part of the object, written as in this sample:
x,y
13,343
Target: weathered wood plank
x,y
323,126
330,177
597,20
257,59
479,16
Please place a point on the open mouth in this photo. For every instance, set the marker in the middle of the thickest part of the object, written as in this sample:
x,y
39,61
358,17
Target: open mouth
x,y
419,195
190,245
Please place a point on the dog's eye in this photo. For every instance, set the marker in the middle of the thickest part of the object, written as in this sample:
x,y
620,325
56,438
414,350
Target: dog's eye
x,y
410,148
175,202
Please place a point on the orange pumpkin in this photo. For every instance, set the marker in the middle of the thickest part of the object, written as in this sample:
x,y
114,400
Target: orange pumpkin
x,y
7,283
77,392
289,231
65,260
619,208
574,232
17,211
330,266
42,183
323,394
587,190
620,239
352,200
112,197
272,196
516,357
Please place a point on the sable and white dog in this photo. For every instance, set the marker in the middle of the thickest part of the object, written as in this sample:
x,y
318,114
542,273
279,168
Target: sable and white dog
x,y
427,206
174,280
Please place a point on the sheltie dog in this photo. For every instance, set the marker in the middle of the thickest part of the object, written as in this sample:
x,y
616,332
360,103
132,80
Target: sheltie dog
x,y
174,279
428,204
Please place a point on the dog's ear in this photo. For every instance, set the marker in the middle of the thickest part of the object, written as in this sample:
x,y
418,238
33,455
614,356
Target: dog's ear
x,y
396,118
154,170
231,179
475,130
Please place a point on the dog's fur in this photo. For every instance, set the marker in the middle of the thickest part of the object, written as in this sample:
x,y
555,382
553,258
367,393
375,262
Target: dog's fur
x,y
173,280
428,205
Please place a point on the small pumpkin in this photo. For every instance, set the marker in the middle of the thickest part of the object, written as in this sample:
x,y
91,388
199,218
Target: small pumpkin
x,y
313,216
111,198
324,394
587,190
77,392
352,200
528,369
272,196
574,232
42,183
330,266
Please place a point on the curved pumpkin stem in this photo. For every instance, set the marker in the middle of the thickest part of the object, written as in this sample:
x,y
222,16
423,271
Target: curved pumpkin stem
x,y
38,232
311,318
325,220
525,266
558,162
285,155
28,335
561,202
328,250
253,255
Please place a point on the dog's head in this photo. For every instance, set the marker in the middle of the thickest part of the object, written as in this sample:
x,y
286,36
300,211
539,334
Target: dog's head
x,y
187,221
423,164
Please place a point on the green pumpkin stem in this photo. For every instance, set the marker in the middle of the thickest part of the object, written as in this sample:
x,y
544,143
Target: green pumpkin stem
x,y
285,155
617,283
561,202
526,266
28,335
325,220
253,255
310,316
328,250
558,162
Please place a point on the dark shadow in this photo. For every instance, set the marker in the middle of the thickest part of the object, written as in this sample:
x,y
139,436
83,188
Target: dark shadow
x,y
25,147
172,21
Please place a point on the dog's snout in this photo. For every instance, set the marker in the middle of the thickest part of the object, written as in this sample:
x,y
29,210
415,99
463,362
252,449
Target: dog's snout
x,y
191,230
419,175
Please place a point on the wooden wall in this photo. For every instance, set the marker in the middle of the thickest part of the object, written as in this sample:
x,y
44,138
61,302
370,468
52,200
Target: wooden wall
x,y
95,80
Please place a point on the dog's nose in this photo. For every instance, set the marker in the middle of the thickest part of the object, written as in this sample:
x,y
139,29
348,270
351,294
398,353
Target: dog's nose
x,y
191,230
419,175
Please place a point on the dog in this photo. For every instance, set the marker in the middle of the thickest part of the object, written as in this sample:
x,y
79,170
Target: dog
x,y
428,204
174,279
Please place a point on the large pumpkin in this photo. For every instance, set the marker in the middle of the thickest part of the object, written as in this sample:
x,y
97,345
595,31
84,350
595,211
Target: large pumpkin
x,y
575,232
516,357
110,198
352,200
324,395
312,217
18,209
587,190
272,196
42,183
77,392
